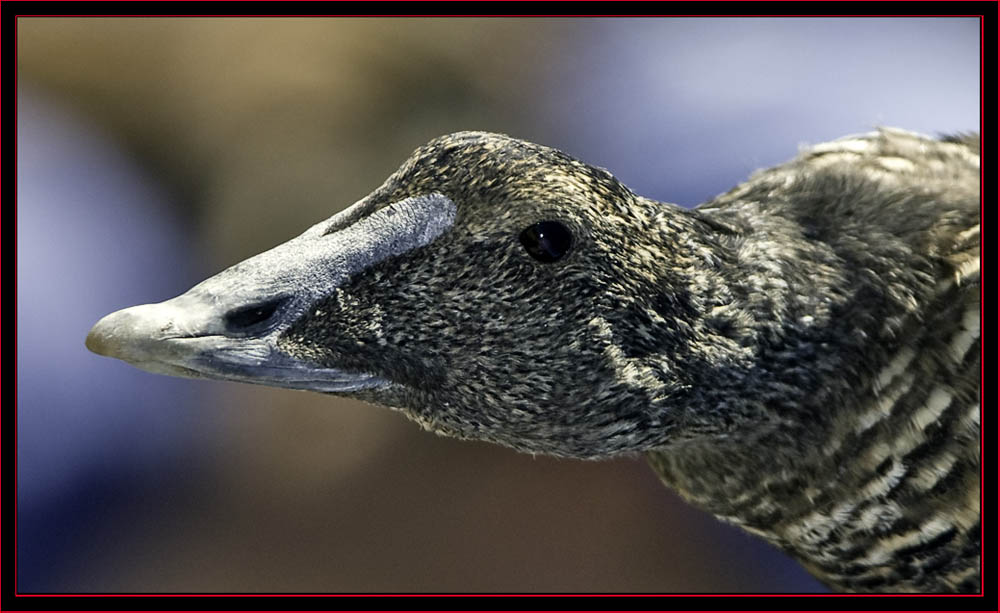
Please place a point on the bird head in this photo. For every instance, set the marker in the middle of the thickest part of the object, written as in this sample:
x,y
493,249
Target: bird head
x,y
491,289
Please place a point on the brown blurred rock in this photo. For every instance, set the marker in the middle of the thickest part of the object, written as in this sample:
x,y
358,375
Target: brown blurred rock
x,y
266,126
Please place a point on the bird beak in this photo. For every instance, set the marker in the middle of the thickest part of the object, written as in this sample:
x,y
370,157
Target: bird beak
x,y
228,326
145,335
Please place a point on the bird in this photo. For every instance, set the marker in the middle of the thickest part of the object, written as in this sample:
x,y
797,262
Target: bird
x,y
798,356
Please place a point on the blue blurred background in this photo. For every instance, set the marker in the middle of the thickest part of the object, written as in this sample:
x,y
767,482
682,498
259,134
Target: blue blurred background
x,y
155,152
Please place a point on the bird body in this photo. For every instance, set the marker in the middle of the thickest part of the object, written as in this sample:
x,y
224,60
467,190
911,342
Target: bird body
x,y
799,356
871,476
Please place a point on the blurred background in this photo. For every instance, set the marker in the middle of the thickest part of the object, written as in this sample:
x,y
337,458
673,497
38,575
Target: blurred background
x,y
155,152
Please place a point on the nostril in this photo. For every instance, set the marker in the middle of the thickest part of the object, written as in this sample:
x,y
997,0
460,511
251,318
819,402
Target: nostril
x,y
249,318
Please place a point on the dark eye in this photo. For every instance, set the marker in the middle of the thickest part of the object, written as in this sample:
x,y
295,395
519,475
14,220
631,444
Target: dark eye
x,y
547,241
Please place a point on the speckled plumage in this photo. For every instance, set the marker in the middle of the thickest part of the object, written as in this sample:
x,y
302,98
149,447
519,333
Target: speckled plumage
x,y
799,356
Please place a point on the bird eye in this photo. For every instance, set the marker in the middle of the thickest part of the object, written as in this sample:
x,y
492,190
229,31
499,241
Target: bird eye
x,y
547,241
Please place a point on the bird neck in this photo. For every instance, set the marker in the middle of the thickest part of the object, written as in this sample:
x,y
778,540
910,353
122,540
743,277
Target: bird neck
x,y
867,513
849,439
